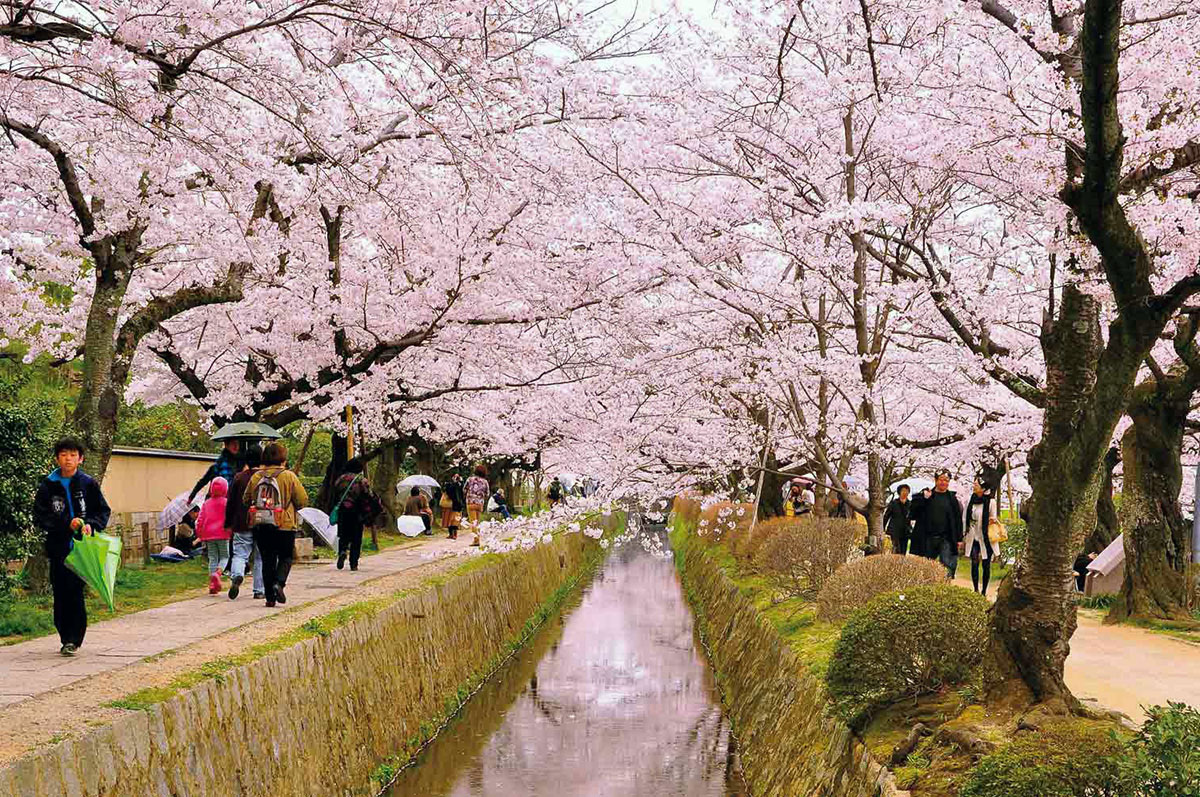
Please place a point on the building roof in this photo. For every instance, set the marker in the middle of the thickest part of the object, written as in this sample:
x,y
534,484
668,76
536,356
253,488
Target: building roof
x,y
162,452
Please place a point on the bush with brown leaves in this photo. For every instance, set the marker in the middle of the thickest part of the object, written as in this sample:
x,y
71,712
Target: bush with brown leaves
x,y
855,583
803,554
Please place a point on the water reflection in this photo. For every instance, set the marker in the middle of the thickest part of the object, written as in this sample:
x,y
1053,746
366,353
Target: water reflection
x,y
611,698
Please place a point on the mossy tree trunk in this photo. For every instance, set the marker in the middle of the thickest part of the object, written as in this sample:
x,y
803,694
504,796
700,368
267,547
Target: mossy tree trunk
x,y
1157,539
1108,525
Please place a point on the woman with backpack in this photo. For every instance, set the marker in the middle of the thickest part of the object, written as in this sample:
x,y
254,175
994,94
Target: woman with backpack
x,y
272,498
357,506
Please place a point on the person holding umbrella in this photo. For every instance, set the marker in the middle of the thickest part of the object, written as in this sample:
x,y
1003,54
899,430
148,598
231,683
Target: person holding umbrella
x,y
226,467
68,505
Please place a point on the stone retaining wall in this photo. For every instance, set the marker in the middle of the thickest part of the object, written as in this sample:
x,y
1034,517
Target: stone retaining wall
x,y
788,745
319,717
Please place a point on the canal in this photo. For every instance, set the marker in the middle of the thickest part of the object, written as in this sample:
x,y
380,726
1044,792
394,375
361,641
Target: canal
x,y
612,697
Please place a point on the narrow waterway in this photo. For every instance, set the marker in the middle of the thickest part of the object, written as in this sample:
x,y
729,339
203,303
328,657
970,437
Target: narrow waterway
x,y
612,698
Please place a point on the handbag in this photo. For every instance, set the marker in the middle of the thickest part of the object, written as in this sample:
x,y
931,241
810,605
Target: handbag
x,y
997,531
333,516
446,503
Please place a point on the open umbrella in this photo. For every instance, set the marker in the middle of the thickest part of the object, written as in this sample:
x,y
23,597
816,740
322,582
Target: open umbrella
x,y
419,480
246,431
318,521
95,559
177,508
915,485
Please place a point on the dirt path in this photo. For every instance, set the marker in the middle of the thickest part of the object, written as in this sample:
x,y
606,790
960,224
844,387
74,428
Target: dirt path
x,y
1123,668
47,698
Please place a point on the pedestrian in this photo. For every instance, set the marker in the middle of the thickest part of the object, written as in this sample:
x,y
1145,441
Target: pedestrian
x,y
798,501
273,496
897,522
500,504
476,491
937,516
555,493
211,531
226,466
67,505
183,533
357,508
1080,568
452,517
838,508
977,542
418,505
245,551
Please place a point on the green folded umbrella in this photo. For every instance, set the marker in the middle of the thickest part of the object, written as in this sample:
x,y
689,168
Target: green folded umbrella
x,y
95,559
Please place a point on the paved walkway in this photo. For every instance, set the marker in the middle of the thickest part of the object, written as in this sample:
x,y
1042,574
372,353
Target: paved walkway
x,y
1123,667
32,668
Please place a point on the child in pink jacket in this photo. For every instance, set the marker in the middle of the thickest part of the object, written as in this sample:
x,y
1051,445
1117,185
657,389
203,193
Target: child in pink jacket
x,y
210,530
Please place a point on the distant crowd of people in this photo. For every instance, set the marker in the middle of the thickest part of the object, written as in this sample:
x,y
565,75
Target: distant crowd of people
x,y
246,524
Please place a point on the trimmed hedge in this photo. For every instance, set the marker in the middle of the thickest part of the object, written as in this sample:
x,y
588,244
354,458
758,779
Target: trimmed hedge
x,y
903,644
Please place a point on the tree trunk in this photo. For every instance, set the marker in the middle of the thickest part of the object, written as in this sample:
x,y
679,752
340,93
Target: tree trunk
x,y
383,481
1156,536
1108,526
876,503
103,378
1033,618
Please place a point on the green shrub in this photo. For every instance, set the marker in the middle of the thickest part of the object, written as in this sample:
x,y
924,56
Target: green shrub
x,y
802,556
855,583
1163,759
26,455
903,644
1070,758
1103,600
1014,546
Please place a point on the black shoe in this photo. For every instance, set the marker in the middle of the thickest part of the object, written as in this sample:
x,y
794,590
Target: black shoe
x,y
341,561
259,596
270,604
235,587
353,568
280,598
68,649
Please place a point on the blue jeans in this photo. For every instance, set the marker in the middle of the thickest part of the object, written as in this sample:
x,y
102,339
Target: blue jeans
x,y
218,554
244,550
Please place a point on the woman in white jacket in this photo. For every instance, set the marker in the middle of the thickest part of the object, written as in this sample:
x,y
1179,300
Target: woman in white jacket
x,y
977,543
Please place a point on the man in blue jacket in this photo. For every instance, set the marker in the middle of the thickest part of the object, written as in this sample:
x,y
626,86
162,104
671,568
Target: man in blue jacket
x,y
68,505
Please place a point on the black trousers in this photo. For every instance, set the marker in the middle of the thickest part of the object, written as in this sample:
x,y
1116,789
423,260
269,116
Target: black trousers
x,y
899,543
277,547
350,534
70,610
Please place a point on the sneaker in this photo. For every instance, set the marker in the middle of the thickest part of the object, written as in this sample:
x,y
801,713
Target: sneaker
x,y
214,583
342,561
68,649
280,598
259,596
235,587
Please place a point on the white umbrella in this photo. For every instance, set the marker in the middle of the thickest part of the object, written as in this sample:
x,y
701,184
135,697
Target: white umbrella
x,y
318,521
426,483
410,525
567,480
177,508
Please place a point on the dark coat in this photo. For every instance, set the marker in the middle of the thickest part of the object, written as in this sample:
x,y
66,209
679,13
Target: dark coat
x,y
226,466
896,518
925,527
53,517
458,503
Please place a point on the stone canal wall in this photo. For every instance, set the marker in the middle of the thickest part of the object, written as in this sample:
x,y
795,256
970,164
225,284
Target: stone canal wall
x,y
319,717
788,745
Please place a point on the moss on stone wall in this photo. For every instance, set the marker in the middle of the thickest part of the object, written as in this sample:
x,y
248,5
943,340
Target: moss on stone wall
x,y
789,745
